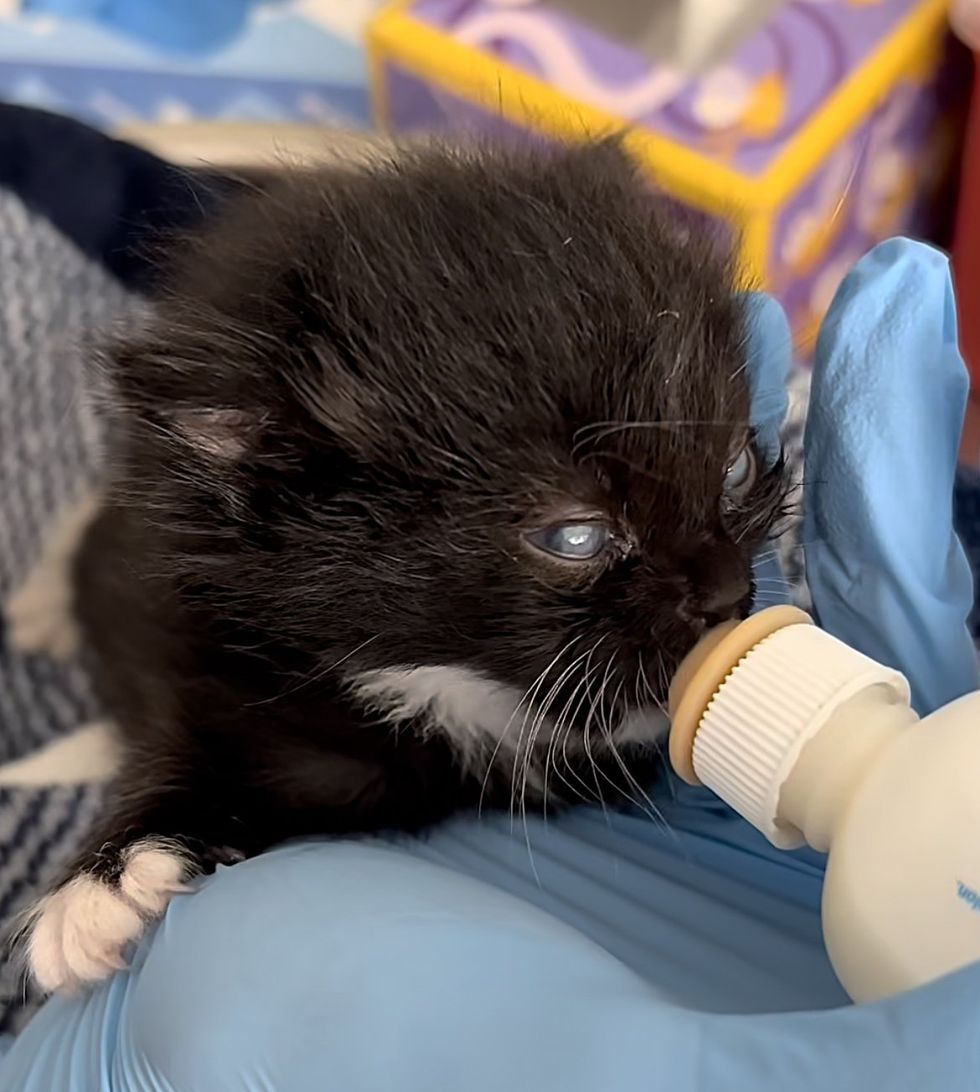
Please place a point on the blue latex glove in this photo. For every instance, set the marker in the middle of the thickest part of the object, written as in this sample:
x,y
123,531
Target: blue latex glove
x,y
360,966
886,410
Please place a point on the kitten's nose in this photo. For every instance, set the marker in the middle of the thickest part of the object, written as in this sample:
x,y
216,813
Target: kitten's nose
x,y
722,600
719,587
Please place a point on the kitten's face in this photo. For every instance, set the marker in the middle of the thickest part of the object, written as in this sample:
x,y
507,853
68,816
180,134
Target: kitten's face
x,y
474,431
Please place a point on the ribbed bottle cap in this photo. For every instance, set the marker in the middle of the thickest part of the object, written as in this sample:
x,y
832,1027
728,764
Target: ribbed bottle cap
x,y
774,697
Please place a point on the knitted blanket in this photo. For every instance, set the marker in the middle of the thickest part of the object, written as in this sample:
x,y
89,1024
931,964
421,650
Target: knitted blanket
x,y
76,213
53,300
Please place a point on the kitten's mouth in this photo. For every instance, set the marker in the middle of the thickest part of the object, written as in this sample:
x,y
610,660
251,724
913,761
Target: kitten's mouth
x,y
699,621
696,624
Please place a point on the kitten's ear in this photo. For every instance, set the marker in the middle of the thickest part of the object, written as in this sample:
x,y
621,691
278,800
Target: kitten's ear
x,y
223,434
608,155
183,395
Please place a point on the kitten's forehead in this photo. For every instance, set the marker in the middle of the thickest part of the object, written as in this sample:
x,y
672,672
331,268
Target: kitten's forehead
x,y
675,426
646,451
465,306
631,434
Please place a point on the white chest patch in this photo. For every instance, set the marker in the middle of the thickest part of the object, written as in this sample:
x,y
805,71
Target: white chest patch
x,y
475,712
480,716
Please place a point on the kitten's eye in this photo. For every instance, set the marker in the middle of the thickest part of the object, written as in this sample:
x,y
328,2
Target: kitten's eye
x,y
741,474
572,541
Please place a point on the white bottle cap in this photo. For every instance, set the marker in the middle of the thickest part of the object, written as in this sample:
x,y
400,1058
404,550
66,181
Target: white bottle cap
x,y
769,702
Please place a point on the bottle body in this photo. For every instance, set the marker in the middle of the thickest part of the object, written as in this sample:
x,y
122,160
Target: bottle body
x,y
901,900
814,743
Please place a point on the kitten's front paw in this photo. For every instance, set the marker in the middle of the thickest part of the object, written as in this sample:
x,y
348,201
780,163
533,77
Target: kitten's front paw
x,y
79,933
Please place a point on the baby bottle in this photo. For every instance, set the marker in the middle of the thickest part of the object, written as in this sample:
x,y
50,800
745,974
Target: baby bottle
x,y
814,743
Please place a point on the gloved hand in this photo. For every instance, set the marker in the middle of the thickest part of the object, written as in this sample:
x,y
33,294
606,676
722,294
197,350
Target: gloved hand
x,y
360,966
886,409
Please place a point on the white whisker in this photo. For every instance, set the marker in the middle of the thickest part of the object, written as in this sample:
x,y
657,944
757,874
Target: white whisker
x,y
503,734
563,729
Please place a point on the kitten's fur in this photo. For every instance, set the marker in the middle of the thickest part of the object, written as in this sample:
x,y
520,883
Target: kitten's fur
x,y
310,593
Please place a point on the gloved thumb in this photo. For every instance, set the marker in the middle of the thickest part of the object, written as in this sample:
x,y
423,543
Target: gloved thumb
x,y
885,569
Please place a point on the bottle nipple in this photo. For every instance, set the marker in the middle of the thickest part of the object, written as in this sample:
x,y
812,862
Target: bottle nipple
x,y
750,695
705,668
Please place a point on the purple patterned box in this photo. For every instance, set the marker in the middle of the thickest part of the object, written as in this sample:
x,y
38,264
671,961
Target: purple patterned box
x,y
829,128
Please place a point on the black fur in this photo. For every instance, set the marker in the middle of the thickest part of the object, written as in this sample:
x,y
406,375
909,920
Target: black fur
x,y
365,387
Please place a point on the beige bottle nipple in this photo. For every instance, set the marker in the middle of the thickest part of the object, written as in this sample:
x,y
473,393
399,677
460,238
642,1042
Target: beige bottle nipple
x,y
706,667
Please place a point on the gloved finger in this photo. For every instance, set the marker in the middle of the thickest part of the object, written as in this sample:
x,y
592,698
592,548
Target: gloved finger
x,y
769,358
885,569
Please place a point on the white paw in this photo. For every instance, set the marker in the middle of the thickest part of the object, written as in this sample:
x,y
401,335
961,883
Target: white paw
x,y
79,934
39,614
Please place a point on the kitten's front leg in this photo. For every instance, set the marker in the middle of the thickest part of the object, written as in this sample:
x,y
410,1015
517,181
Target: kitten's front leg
x,y
79,933
187,796
143,855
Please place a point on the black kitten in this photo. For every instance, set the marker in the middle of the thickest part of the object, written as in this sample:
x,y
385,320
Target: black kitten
x,y
428,473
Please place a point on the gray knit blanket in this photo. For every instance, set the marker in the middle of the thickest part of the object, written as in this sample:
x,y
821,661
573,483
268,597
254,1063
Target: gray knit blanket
x,y
53,303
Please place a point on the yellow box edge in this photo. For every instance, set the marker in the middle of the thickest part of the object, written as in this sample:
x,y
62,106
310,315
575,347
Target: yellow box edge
x,y
851,103
467,72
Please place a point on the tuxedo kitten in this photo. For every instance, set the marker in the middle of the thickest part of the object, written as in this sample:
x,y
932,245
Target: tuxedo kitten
x,y
426,474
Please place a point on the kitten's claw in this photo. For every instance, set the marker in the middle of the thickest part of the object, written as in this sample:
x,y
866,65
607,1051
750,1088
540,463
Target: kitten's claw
x,y
79,933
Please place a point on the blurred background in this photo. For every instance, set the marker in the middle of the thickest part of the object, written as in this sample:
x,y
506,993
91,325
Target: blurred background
x,y
810,128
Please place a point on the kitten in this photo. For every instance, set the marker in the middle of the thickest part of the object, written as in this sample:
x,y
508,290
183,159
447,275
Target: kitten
x,y
427,474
